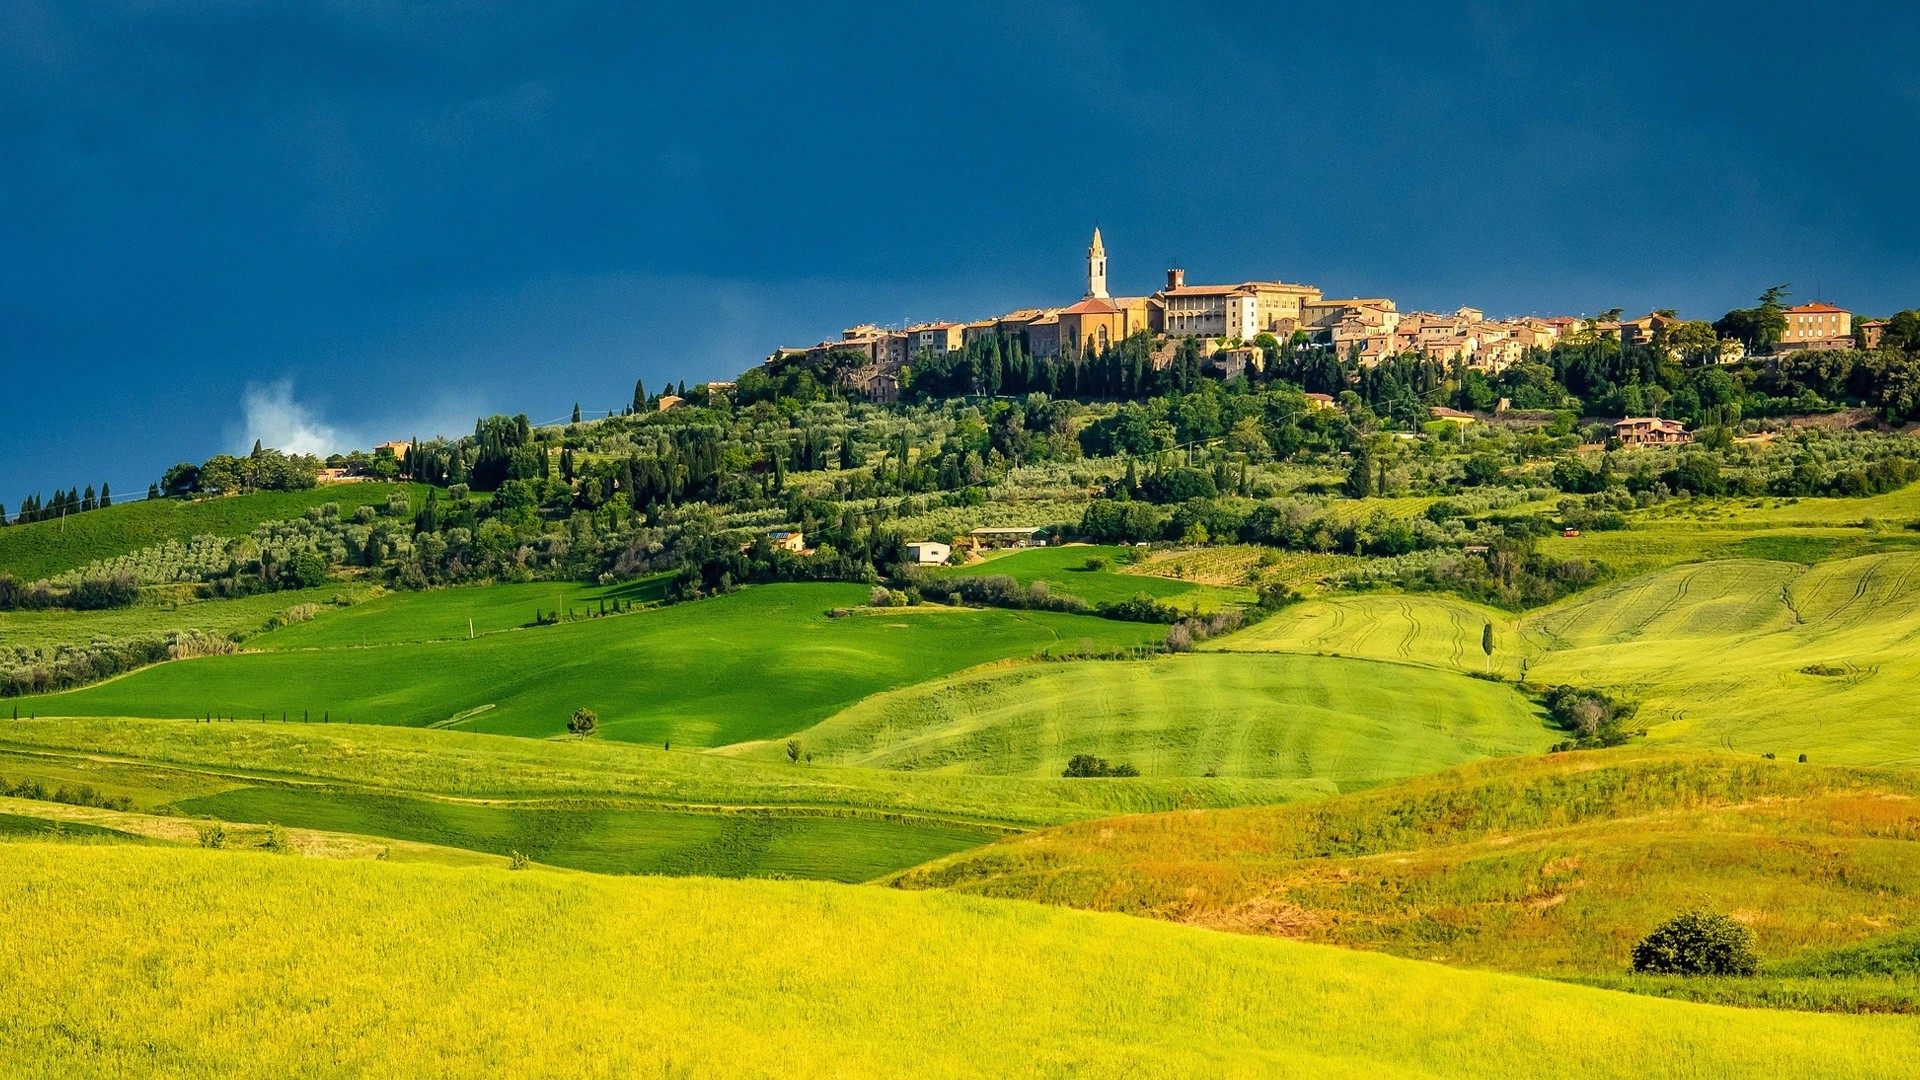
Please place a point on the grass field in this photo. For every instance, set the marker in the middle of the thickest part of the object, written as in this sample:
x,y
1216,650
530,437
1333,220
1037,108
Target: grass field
x,y
760,663
169,962
1350,722
1064,569
1717,652
155,618
46,548
449,614
1553,866
604,807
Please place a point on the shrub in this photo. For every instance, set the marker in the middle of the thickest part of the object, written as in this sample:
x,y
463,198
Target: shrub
x,y
1697,943
1084,765
213,836
583,722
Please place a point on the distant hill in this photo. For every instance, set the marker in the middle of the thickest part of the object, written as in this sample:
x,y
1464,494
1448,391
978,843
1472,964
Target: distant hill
x,y
43,549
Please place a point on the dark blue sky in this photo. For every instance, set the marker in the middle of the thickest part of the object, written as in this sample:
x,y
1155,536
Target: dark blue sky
x,y
356,221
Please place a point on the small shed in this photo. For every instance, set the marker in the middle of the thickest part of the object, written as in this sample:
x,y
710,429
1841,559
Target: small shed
x,y
929,553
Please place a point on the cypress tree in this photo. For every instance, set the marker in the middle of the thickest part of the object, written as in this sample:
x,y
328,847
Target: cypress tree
x,y
3,515
89,500
576,412
106,496
153,491
639,395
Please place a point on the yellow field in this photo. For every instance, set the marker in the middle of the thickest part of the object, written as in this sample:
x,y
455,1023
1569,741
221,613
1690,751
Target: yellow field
x,y
127,961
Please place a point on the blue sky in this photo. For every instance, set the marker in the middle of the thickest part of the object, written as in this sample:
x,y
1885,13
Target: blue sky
x,y
330,224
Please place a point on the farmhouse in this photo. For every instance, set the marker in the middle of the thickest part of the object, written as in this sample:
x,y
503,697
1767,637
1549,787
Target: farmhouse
x,y
399,450
1019,537
794,541
929,553
1651,431
1451,416
1321,401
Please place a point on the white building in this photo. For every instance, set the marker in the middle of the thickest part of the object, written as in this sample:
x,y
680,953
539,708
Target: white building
x,y
929,553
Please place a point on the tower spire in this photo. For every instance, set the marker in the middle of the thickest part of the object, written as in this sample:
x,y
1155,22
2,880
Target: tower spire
x,y
1097,267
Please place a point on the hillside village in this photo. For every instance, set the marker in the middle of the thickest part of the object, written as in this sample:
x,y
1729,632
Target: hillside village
x,y
1247,324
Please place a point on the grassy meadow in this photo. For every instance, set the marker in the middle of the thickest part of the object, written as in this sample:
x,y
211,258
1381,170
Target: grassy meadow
x,y
1549,866
46,548
452,614
1749,656
1350,722
240,964
760,663
158,615
1065,571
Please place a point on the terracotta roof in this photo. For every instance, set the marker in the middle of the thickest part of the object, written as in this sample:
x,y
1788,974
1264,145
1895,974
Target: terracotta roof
x,y
1817,309
1092,305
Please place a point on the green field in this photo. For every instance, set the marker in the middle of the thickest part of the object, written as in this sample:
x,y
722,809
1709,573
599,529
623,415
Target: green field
x,y
449,614
156,618
760,663
606,807
1543,866
611,839
235,964
1064,569
1349,722
46,548
1717,652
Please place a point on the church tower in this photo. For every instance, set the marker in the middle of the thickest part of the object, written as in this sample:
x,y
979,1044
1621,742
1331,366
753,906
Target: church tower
x,y
1097,268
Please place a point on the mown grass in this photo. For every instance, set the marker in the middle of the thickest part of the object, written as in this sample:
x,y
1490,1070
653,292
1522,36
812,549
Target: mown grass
x,y
46,548
223,964
1065,570
1548,866
1350,722
760,663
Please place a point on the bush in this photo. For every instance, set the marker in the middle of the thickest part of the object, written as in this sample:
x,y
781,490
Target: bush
x,y
583,722
213,836
1697,943
1084,765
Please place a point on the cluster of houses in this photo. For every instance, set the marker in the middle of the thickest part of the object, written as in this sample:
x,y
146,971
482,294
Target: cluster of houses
x,y
1228,319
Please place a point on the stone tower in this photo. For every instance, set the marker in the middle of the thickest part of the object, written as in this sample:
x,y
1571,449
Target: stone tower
x,y
1097,268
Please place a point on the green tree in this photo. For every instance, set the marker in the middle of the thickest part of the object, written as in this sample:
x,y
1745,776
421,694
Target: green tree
x,y
583,722
576,412
1697,943
639,396
1486,644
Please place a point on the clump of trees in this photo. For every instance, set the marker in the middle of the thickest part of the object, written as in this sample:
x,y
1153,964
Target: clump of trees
x,y
91,593
1697,943
63,504
1595,719
1087,765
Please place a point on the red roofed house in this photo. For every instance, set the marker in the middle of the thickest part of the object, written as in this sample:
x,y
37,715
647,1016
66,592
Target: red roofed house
x,y
1651,431
1817,326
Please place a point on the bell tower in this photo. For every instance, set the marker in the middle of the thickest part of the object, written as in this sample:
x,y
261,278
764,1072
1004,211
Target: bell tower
x,y
1097,267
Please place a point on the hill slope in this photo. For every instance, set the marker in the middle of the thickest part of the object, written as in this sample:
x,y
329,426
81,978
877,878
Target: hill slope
x,y
46,548
1347,721
759,663
417,970
1544,865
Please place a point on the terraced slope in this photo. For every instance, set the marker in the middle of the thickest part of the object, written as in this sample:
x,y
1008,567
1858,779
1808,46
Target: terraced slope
x,y
1541,865
432,971
1347,722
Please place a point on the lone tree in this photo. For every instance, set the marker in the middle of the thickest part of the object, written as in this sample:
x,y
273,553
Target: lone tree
x,y
1084,765
1697,943
1486,645
793,751
583,722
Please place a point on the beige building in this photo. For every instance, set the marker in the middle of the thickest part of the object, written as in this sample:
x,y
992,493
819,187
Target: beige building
x,y
1242,311
1651,431
1817,326
1323,314
935,337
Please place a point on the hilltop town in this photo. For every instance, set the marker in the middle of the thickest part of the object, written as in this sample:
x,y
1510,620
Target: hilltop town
x,y
1247,324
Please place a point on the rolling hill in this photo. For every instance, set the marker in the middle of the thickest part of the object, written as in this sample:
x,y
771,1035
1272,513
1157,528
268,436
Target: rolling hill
x,y
237,964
